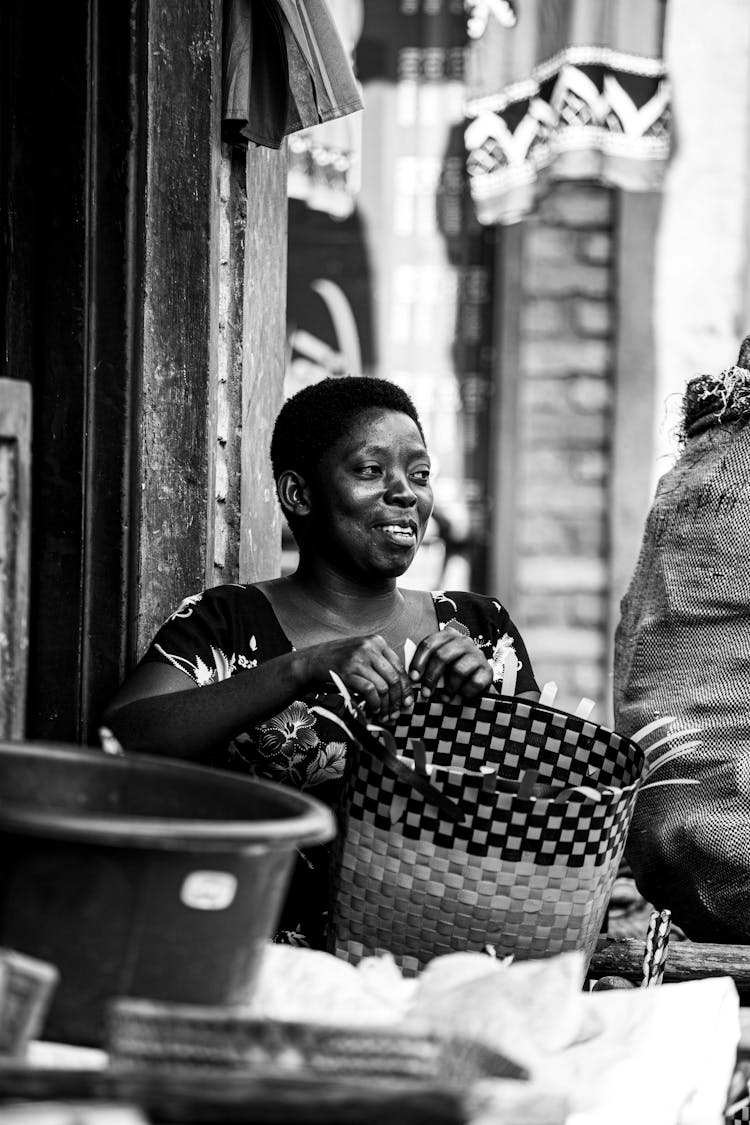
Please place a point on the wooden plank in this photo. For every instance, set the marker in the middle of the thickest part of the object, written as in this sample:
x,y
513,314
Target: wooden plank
x,y
263,359
15,525
686,960
634,388
503,414
178,312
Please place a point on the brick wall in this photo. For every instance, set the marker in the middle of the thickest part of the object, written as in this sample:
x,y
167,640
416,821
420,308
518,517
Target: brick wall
x,y
565,392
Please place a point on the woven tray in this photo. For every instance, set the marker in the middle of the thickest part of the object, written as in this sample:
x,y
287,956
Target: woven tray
x,y
145,1034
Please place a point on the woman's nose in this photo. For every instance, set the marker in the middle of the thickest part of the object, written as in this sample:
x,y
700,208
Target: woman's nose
x,y
400,491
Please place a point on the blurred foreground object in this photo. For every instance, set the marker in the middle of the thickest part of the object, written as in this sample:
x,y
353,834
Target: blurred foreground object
x,y
651,1055
26,988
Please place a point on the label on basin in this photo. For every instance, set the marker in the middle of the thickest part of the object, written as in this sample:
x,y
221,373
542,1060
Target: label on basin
x,y
209,890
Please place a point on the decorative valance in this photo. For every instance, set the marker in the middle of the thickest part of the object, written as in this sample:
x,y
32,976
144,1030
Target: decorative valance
x,y
285,69
589,110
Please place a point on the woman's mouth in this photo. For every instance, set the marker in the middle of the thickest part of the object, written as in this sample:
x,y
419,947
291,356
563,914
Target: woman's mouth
x,y
400,534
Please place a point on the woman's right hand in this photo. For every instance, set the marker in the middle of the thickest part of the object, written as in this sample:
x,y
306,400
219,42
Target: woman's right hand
x,y
369,668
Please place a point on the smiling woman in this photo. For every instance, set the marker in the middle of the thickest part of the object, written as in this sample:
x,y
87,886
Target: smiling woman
x,y
352,475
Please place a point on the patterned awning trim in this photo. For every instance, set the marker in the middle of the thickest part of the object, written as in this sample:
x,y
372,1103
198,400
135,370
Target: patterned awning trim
x,y
587,113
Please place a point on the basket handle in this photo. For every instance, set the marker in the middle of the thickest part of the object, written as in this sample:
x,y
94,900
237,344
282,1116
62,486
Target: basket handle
x,y
384,749
340,710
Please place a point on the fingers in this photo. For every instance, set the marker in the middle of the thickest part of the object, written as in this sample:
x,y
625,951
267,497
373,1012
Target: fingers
x,y
446,662
452,664
375,672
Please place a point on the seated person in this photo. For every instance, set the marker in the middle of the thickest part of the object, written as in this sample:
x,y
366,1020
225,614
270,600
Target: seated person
x,y
682,649
353,479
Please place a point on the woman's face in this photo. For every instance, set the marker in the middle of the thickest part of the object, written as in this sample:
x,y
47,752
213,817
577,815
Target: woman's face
x,y
373,497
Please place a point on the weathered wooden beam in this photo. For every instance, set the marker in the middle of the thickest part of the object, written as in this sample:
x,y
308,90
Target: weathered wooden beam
x,y
15,523
686,960
177,310
264,336
228,473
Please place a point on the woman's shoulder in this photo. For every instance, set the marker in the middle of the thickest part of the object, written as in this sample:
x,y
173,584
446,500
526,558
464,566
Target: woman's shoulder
x,y
463,604
229,608
231,622
488,622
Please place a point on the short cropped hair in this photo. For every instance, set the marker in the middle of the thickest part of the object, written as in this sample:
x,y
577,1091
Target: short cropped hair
x,y
314,419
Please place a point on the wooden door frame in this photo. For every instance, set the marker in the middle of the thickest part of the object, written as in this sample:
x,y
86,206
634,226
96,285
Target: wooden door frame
x,y
126,481
111,280
65,112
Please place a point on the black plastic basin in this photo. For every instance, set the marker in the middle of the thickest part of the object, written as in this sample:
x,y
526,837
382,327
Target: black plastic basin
x,y
141,876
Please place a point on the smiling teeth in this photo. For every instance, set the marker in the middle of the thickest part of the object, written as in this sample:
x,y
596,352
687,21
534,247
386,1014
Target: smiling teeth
x,y
395,529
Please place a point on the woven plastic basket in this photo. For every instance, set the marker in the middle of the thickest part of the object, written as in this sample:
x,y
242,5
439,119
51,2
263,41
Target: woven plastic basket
x,y
501,822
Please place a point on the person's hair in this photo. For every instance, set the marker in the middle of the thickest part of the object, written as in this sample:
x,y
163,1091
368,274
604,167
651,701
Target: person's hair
x,y
718,400
314,419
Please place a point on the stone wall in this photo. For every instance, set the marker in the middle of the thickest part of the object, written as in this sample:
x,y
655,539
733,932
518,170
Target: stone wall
x,y
565,418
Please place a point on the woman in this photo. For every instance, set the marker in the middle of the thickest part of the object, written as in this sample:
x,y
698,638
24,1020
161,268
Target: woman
x,y
353,479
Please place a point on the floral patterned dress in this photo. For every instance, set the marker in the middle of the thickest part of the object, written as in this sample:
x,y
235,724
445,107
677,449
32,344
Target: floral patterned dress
x,y
228,629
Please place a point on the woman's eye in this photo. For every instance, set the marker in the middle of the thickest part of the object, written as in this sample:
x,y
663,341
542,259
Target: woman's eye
x,y
422,476
369,470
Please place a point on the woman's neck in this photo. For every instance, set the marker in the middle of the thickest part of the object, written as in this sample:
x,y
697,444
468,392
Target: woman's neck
x,y
312,607
340,597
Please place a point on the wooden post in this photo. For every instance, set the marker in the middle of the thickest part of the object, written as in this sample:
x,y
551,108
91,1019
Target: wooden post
x,y
263,359
177,314
634,388
15,522
228,474
503,414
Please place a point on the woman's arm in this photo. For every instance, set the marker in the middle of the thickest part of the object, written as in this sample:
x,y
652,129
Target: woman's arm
x,y
161,710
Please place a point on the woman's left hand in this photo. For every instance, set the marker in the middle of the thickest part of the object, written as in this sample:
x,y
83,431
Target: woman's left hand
x,y
451,663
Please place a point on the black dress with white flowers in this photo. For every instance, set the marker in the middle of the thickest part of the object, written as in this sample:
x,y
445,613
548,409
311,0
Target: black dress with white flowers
x,y
228,629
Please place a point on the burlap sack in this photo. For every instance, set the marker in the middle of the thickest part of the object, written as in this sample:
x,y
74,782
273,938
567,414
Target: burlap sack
x,y
682,648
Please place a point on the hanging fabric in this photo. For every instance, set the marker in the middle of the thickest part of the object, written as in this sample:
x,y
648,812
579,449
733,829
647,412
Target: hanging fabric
x,y
285,69
324,162
570,89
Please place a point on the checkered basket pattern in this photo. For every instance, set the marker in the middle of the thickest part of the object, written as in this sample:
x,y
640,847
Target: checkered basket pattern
x,y
530,866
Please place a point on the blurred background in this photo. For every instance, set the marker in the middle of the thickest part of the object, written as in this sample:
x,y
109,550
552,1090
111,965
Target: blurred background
x,y
538,226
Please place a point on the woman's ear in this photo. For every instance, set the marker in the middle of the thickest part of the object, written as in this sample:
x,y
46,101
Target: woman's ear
x,y
294,495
